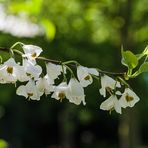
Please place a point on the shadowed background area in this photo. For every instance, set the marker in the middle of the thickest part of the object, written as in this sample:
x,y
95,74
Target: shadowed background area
x,y
92,33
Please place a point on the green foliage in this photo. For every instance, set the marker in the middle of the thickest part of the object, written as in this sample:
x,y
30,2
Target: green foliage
x,y
84,19
145,52
143,68
129,59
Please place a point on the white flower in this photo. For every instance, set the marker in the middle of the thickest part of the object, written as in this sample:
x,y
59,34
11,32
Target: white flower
x,y
111,103
84,75
10,71
128,98
108,83
54,70
31,52
32,71
21,74
29,91
60,91
45,85
118,93
75,93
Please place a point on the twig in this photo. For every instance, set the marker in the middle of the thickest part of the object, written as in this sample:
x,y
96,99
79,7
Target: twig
x,y
60,62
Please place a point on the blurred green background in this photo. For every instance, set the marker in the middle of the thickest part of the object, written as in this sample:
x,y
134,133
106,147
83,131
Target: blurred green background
x,y
91,32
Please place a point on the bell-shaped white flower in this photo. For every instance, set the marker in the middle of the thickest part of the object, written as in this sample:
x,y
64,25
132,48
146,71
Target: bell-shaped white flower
x,y
21,74
45,85
32,71
84,75
112,103
54,70
107,83
31,52
60,91
29,91
75,93
128,98
10,71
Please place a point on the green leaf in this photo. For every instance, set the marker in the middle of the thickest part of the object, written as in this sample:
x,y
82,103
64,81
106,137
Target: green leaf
x,y
50,29
129,59
145,52
143,68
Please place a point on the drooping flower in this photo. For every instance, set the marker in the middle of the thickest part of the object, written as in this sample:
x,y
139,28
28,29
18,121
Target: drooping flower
x,y
112,103
10,71
84,75
29,91
31,52
45,85
107,83
60,91
128,98
75,93
54,70
32,71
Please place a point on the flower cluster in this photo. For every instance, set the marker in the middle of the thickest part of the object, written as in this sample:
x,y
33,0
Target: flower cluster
x,y
35,83
117,100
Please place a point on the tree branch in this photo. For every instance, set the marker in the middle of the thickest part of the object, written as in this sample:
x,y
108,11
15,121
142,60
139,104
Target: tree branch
x,y
60,62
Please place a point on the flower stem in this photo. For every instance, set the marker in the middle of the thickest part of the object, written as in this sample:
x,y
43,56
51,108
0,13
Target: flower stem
x,y
49,60
58,62
124,82
72,74
18,52
64,76
17,43
110,73
71,61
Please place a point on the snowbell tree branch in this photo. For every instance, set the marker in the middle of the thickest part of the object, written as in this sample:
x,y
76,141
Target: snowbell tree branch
x,y
60,62
39,83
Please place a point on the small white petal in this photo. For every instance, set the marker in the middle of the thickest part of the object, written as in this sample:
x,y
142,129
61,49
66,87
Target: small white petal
x,y
9,71
21,91
29,91
32,52
45,85
60,91
118,93
33,71
54,70
93,71
75,93
84,76
111,103
128,98
102,92
108,82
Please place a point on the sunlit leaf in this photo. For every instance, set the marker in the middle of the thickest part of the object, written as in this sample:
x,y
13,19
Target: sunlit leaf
x,y
129,59
145,52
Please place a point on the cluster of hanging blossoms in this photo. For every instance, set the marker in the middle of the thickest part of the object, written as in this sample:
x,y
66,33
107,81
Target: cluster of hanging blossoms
x,y
35,83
